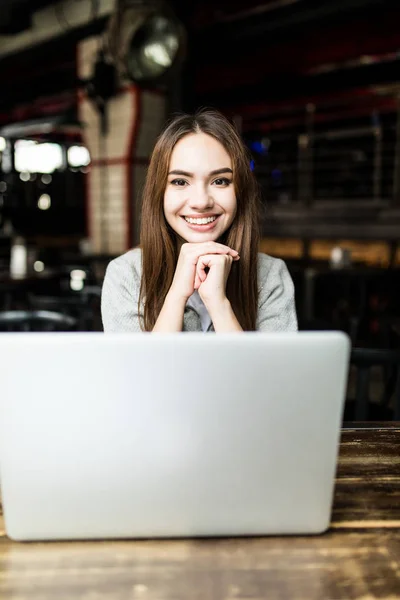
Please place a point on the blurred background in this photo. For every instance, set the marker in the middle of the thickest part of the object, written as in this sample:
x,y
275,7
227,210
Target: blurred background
x,y
314,89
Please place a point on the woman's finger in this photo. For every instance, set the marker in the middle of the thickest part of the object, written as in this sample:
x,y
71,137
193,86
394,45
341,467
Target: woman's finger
x,y
201,268
204,248
197,281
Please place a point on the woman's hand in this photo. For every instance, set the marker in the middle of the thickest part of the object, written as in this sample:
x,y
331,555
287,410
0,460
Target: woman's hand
x,y
187,274
212,273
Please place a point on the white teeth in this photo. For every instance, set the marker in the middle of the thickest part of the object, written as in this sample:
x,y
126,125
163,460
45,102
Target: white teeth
x,y
202,221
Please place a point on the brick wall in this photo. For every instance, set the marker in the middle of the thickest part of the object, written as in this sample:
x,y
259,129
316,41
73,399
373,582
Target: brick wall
x,y
119,159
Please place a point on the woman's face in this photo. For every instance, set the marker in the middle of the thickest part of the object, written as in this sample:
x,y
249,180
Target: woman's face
x,y
199,199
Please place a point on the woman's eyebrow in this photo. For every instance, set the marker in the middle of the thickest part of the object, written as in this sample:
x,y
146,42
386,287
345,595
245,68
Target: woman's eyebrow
x,y
220,171
187,174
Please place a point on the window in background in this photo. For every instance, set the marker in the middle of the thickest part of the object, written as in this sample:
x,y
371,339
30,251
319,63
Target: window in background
x,y
45,195
34,157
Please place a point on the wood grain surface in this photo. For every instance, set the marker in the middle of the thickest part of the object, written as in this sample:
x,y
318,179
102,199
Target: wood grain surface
x,y
357,559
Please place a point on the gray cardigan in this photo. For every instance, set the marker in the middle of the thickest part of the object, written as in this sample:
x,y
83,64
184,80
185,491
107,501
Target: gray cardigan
x,y
121,286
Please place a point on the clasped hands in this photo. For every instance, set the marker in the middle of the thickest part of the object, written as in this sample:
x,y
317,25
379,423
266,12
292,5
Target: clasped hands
x,y
204,267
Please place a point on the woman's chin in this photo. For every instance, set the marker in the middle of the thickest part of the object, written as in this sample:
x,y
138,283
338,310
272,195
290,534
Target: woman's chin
x,y
198,238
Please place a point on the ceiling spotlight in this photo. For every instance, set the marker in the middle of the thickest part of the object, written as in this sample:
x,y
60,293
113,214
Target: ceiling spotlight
x,y
153,48
146,40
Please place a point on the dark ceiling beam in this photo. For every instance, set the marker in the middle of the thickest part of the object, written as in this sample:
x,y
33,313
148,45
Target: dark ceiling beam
x,y
259,110
388,105
278,89
304,53
307,15
259,9
210,14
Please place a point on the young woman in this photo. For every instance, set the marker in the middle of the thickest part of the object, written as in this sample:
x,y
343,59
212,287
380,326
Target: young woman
x,y
198,266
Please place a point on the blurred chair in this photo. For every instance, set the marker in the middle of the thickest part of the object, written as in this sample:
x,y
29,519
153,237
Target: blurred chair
x,y
361,408
39,320
83,305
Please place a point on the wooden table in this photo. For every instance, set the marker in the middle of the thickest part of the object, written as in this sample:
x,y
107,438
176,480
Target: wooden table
x,y
358,558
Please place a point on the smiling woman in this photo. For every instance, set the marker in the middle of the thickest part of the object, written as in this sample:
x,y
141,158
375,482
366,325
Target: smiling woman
x,y
198,266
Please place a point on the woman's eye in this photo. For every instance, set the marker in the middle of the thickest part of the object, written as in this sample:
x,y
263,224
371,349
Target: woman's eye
x,y
179,182
222,181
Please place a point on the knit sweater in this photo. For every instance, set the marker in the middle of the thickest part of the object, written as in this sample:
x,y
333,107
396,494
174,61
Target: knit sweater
x,y
121,287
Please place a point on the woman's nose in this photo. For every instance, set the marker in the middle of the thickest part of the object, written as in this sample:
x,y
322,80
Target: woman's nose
x,y
200,198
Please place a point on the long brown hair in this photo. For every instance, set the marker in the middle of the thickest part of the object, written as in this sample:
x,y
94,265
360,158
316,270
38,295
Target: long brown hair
x,y
159,242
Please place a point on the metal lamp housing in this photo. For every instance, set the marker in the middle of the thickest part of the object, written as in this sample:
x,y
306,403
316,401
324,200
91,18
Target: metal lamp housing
x,y
151,44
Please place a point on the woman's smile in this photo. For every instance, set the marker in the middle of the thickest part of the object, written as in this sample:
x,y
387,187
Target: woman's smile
x,y
201,223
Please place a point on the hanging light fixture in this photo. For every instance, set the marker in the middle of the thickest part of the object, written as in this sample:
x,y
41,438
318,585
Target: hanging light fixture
x,y
145,40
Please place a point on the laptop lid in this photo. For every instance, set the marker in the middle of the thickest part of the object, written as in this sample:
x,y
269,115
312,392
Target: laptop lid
x,y
164,435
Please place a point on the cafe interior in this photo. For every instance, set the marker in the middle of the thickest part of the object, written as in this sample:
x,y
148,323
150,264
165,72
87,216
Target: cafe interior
x,y
313,88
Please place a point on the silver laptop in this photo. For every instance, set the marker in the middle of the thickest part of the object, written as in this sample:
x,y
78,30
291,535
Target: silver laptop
x,y
156,435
